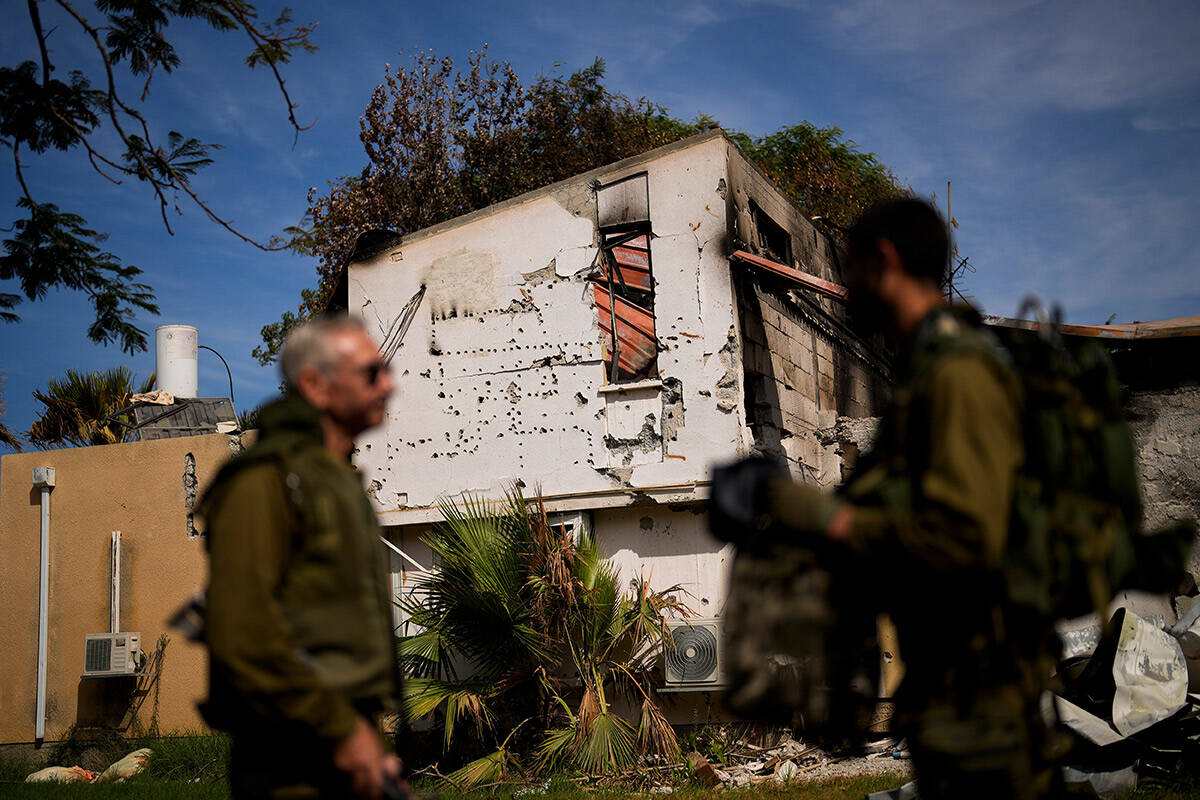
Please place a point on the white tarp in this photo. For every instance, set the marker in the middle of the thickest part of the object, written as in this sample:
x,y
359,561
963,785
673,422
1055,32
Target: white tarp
x,y
1103,784
1150,674
1086,724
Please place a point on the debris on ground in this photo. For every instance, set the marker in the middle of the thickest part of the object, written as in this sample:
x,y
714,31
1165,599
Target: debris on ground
x,y
118,771
127,767
1131,697
790,761
61,775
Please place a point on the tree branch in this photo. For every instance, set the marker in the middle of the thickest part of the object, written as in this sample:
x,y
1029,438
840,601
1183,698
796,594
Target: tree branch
x,y
266,42
20,174
36,18
114,100
93,154
259,39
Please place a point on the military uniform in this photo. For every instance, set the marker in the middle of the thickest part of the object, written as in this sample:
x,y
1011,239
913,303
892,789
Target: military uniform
x,y
931,506
298,623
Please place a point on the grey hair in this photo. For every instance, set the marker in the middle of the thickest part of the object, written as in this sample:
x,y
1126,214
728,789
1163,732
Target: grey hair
x,y
309,346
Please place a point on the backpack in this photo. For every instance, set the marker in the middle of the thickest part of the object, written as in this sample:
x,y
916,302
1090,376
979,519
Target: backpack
x,y
1075,532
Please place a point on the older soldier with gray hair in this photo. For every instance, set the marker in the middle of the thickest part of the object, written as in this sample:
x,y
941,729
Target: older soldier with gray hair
x,y
302,662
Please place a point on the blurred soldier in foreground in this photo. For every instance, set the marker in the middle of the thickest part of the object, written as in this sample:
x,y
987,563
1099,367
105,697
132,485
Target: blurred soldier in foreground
x,y
302,661
926,516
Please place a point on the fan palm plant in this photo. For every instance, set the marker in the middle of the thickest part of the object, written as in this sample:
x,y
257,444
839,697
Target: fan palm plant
x,y
78,408
521,623
7,437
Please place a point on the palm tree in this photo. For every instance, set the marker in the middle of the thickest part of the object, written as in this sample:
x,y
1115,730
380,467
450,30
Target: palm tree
x,y
78,408
519,623
7,437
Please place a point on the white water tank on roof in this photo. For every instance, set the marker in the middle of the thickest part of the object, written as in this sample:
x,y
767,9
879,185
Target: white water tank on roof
x,y
175,359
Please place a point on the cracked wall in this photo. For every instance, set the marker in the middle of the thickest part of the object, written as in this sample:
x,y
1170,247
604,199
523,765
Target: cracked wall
x,y
501,374
1166,428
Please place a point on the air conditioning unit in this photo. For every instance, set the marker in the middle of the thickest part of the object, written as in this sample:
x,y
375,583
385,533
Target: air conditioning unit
x,y
693,661
107,654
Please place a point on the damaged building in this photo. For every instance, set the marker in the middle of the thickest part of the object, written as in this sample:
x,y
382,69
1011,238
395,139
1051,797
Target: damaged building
x,y
603,342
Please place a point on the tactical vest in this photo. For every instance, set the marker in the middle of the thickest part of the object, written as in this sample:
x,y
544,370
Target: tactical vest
x,y
334,591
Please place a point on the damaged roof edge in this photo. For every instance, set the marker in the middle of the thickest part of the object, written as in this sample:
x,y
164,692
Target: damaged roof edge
x,y
1178,327
521,199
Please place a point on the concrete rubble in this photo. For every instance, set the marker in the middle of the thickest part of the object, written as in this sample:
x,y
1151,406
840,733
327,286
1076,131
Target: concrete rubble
x,y
790,761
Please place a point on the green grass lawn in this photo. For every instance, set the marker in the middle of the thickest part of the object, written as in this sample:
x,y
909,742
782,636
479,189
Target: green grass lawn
x,y
195,767
148,787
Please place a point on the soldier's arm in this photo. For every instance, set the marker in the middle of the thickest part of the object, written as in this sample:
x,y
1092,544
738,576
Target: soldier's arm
x,y
249,639
975,448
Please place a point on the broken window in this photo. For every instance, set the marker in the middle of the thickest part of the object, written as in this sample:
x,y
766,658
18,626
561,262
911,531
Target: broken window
x,y
773,241
623,286
576,524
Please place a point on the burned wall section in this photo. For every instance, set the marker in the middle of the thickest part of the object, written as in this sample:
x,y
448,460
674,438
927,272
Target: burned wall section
x,y
798,379
803,364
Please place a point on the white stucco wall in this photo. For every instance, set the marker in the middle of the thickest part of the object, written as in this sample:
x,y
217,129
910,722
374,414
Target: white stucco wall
x,y
501,374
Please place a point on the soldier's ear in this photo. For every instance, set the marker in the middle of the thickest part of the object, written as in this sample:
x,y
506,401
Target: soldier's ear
x,y
889,256
313,386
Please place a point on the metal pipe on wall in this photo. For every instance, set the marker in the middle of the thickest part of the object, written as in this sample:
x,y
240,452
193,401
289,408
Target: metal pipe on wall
x,y
43,478
114,606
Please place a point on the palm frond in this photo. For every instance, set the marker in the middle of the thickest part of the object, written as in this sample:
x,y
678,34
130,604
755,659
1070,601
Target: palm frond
x,y
608,745
458,700
488,769
655,734
78,407
556,749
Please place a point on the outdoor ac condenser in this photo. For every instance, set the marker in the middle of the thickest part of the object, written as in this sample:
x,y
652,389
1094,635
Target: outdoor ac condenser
x,y
693,660
107,654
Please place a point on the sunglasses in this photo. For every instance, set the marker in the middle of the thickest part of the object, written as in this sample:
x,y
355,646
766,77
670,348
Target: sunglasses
x,y
371,372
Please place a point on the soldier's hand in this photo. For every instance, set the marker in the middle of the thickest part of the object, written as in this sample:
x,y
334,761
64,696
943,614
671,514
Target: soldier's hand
x,y
394,786
360,755
740,504
808,511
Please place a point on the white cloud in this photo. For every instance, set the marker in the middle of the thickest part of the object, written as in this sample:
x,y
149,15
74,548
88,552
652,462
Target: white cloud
x,y
1166,122
1024,56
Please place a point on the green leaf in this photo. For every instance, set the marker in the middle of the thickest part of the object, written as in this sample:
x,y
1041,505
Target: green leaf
x,y
76,409
55,115
556,749
55,249
608,745
488,769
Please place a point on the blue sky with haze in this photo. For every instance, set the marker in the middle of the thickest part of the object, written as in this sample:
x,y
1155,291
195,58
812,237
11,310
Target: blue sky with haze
x,y
1070,130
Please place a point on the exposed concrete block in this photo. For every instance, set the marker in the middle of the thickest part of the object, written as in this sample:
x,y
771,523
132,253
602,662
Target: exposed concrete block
x,y
805,385
805,448
823,347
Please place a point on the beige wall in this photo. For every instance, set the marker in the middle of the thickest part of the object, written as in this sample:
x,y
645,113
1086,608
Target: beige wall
x,y
140,490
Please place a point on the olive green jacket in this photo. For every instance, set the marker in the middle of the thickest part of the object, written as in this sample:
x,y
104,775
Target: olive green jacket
x,y
937,487
931,501
298,623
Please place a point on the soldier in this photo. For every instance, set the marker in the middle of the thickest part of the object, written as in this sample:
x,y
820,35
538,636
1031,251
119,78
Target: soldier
x,y
926,515
298,624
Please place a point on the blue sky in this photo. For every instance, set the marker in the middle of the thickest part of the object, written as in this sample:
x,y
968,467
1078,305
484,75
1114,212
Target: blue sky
x,y
1070,130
